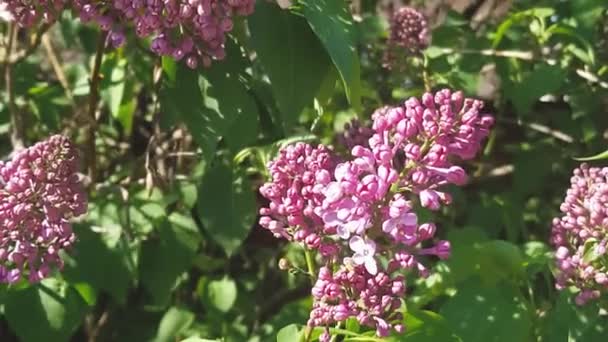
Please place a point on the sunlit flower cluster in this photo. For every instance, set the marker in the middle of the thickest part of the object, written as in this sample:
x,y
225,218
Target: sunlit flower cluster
x,y
359,212
39,193
581,234
190,30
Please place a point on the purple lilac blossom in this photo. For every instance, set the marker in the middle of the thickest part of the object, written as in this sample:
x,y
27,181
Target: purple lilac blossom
x,y
190,30
581,234
358,212
39,193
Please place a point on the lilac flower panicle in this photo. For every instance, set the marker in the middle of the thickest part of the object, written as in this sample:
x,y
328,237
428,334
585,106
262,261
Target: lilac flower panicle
x,y
40,192
409,34
193,31
359,213
580,235
409,29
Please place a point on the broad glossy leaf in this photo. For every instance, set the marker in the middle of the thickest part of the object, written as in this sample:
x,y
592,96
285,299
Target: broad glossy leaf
x,y
49,311
291,55
165,257
93,253
290,333
423,326
221,294
332,22
207,102
568,322
488,314
226,206
175,321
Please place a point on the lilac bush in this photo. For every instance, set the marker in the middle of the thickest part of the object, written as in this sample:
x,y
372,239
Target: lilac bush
x,y
359,212
581,234
40,192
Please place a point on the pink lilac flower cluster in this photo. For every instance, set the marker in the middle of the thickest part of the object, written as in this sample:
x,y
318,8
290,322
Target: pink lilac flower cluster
x,y
190,30
581,234
39,193
359,212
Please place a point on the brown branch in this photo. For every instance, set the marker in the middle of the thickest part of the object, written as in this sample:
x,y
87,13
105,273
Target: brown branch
x,y
93,102
56,65
20,56
17,128
527,56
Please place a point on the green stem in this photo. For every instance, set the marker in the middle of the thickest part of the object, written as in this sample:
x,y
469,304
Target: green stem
x,y
425,73
310,265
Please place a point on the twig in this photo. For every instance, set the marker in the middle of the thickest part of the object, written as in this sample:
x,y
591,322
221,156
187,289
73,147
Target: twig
x,y
56,65
541,129
527,56
93,101
17,129
97,328
20,56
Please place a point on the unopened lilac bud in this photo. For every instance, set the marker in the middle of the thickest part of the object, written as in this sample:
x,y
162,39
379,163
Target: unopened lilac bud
x,y
284,264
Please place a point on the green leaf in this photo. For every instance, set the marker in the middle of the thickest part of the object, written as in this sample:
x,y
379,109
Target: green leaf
x,y
221,294
545,79
113,85
569,322
207,103
590,251
332,22
166,257
540,13
292,56
504,255
488,314
226,206
49,311
422,326
599,156
101,250
175,321
290,333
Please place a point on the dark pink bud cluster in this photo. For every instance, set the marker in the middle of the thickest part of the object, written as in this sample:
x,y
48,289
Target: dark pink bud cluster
x,y
581,234
360,211
40,191
353,292
190,30
409,30
354,134
409,33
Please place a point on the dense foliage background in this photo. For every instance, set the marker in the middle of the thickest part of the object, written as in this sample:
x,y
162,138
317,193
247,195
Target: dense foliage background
x,y
170,248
